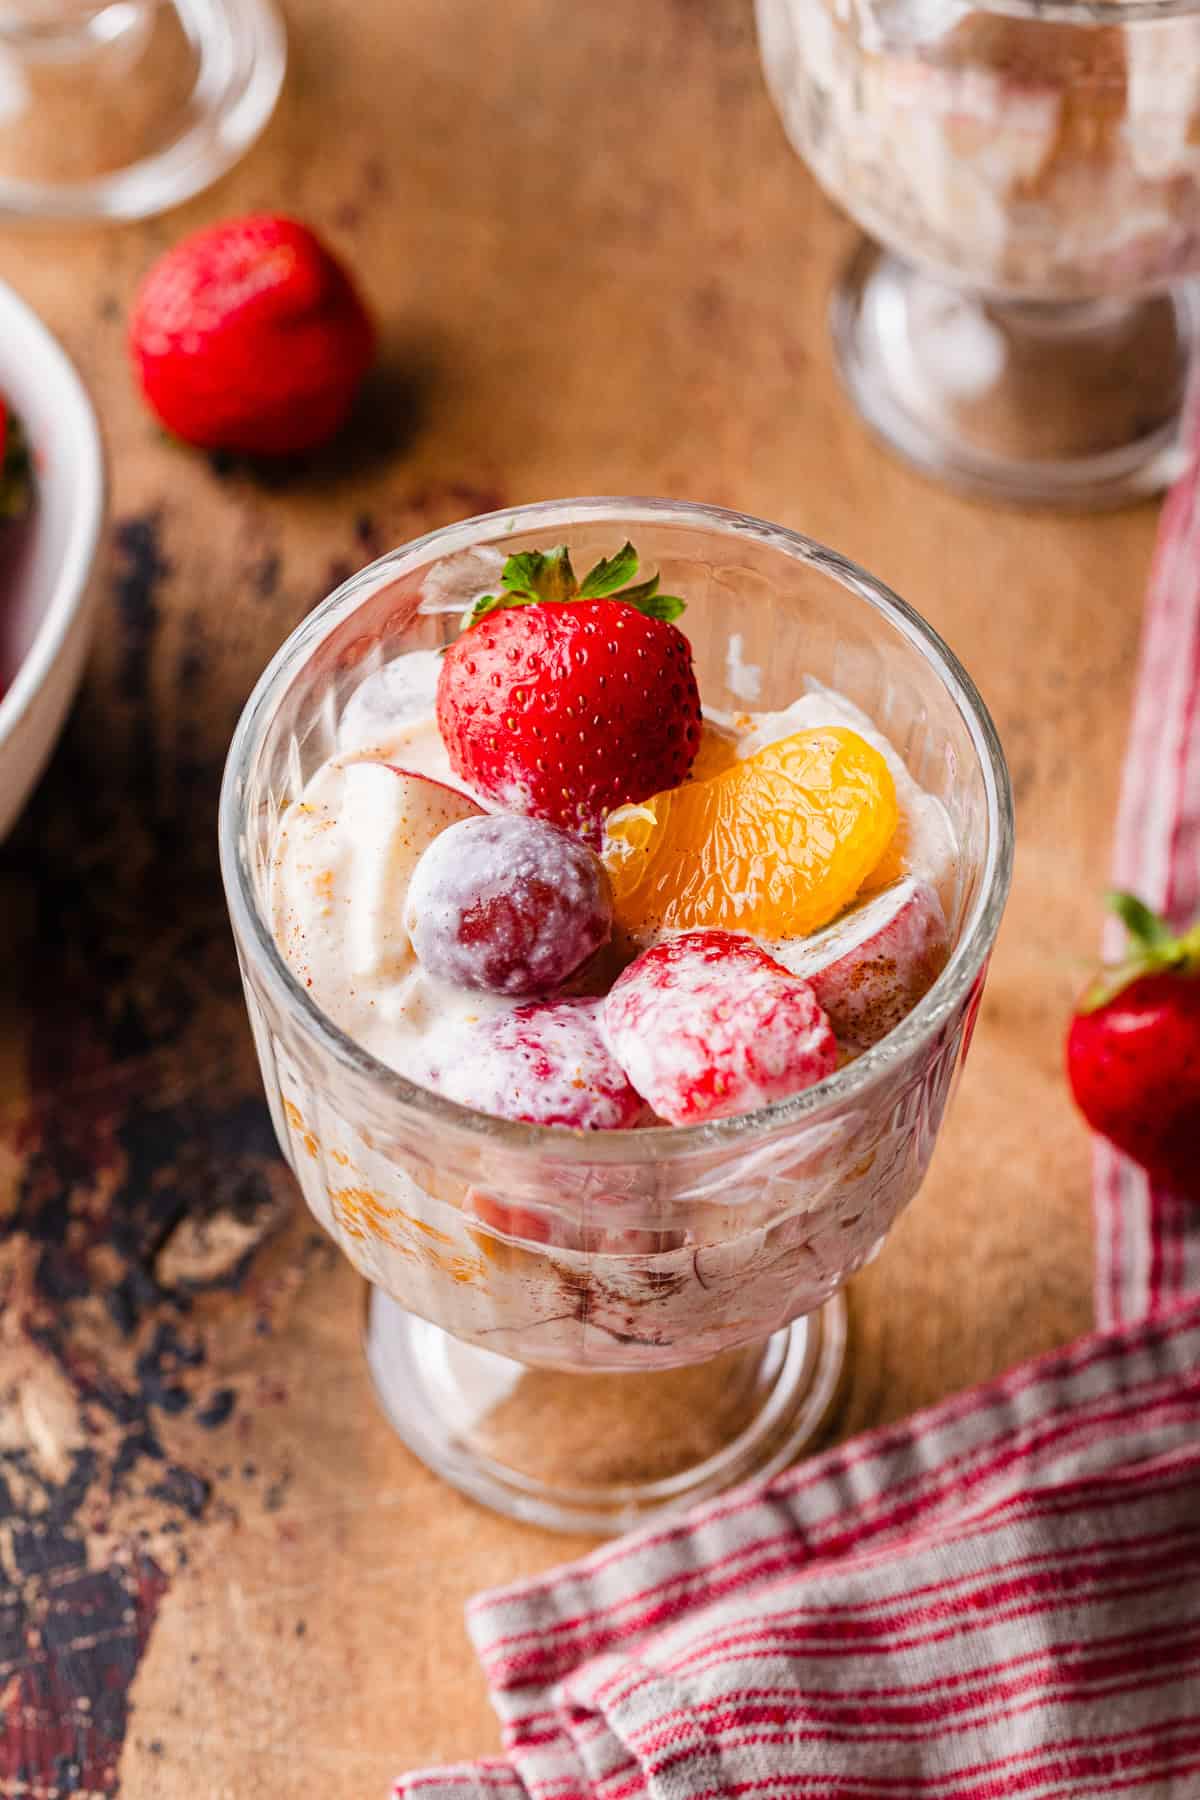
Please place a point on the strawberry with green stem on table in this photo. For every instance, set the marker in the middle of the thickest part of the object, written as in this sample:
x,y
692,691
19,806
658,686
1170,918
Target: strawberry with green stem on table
x,y
1133,1049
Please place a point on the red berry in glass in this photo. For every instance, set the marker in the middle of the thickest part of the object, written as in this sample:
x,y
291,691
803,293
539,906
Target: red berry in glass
x,y
507,905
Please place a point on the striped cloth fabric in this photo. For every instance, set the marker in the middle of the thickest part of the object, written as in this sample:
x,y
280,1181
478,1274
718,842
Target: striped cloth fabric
x,y
1147,1239
1000,1597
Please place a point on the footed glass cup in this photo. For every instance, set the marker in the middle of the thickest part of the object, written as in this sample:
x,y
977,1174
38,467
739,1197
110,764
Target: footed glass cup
x,y
117,109
1023,321
584,1328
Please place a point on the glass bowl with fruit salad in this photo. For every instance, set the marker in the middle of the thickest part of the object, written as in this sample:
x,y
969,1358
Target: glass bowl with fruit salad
x,y
614,882
1032,171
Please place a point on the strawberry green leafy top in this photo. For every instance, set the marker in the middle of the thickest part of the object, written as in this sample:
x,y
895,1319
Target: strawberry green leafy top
x,y
538,576
1153,949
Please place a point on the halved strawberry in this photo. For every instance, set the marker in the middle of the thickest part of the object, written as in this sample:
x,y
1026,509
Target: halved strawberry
x,y
565,699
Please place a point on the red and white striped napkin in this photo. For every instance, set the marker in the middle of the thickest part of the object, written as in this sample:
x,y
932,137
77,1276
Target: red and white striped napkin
x,y
1001,1596
1147,1239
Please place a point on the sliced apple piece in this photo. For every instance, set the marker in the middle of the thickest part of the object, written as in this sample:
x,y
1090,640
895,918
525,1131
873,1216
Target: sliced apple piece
x,y
871,966
343,861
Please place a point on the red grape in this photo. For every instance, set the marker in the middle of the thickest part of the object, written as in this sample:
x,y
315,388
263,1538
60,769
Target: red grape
x,y
508,905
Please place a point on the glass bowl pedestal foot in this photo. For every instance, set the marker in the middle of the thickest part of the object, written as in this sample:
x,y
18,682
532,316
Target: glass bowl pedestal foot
x,y
120,109
1074,403
602,1452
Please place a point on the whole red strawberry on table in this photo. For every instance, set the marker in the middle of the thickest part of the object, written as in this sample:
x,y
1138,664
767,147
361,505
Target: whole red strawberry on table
x,y
1133,1049
250,336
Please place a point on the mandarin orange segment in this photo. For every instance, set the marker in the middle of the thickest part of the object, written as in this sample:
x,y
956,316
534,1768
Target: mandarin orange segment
x,y
892,866
776,845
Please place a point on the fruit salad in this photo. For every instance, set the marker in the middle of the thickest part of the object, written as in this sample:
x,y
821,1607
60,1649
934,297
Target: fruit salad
x,y
536,876
537,879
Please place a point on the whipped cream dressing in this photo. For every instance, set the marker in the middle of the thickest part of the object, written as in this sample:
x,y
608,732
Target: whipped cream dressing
x,y
347,847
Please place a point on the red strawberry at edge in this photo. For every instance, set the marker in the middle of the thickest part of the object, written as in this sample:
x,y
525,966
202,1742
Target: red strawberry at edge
x,y
1133,1050
250,336
565,699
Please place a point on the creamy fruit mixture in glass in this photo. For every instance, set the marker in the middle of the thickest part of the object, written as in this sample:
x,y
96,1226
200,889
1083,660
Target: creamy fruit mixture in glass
x,y
1024,155
349,847
536,877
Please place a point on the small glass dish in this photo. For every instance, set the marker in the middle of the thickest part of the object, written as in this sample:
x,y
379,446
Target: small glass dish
x,y
1031,169
118,109
583,1328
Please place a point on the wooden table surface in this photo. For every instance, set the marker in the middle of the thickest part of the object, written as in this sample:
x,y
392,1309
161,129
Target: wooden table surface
x,y
598,268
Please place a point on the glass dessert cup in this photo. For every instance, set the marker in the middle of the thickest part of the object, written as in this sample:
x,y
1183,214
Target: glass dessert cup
x,y
117,109
1022,324
583,1328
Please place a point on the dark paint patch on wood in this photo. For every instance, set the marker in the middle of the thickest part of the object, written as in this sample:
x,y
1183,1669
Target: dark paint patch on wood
x,y
372,183
138,1117
216,1409
185,1489
193,661
141,569
70,1642
366,536
276,1494
264,576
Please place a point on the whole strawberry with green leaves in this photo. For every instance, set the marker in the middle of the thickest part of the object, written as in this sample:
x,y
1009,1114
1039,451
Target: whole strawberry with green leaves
x,y
565,698
1133,1049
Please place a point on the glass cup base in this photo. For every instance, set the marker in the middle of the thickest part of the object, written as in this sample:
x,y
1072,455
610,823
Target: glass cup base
x,y
1075,404
119,109
600,1452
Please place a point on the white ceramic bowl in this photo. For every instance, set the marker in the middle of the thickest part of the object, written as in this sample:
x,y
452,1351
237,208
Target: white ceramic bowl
x,y
48,585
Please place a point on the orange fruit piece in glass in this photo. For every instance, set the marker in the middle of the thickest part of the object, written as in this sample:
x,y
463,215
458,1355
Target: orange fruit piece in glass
x,y
892,866
776,845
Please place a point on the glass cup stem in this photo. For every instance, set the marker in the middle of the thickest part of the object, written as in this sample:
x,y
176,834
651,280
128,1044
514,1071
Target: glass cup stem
x,y
602,1452
1070,403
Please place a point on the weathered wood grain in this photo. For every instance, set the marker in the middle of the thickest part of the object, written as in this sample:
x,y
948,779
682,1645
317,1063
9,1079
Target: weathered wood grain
x,y
598,269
